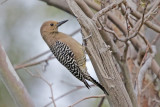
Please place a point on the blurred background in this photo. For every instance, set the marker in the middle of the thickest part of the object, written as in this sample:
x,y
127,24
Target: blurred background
x,y
20,24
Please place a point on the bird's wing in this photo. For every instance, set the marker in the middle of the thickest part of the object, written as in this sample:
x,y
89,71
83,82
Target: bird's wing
x,y
66,57
78,51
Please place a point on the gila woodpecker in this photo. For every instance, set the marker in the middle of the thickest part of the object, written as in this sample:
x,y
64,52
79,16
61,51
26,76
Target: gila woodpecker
x,y
67,51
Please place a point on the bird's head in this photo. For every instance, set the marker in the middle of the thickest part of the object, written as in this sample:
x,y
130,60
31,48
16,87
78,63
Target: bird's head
x,y
50,27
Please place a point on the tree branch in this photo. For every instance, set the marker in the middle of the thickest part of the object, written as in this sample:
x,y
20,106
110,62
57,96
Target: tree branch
x,y
101,59
148,23
32,64
98,96
12,82
49,84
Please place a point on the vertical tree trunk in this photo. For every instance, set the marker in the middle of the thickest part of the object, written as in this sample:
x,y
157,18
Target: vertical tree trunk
x,y
101,59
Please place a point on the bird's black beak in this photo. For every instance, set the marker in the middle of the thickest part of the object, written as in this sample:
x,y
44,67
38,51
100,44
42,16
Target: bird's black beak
x,y
62,22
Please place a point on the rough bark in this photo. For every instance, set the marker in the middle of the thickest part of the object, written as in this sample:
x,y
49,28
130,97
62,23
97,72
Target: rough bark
x,y
101,58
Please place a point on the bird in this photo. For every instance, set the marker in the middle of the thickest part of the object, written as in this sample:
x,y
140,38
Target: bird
x,y
68,52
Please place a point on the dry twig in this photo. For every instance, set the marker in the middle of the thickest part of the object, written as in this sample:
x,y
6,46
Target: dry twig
x,y
101,102
67,93
49,84
148,23
98,96
106,9
32,64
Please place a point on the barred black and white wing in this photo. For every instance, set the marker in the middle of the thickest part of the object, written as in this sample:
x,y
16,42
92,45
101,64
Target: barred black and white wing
x,y
65,56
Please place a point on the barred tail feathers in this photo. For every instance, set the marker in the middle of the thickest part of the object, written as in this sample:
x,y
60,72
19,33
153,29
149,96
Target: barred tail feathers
x,y
86,84
98,84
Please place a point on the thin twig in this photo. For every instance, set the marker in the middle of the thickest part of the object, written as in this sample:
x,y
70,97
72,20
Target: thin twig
x,y
106,9
133,32
46,63
117,37
36,57
73,85
147,64
127,20
155,39
98,96
67,93
143,70
49,84
152,43
146,41
144,57
142,20
148,23
147,86
101,102
32,64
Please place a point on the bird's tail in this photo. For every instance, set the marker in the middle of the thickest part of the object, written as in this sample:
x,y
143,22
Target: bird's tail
x,y
86,83
98,84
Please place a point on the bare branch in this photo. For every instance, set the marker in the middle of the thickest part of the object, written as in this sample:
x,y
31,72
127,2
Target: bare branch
x,y
101,102
156,39
12,82
32,64
148,23
133,33
49,84
36,57
106,9
142,20
67,93
144,68
98,96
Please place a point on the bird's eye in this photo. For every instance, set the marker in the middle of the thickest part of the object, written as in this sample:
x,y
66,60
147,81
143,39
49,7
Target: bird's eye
x,y
51,24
